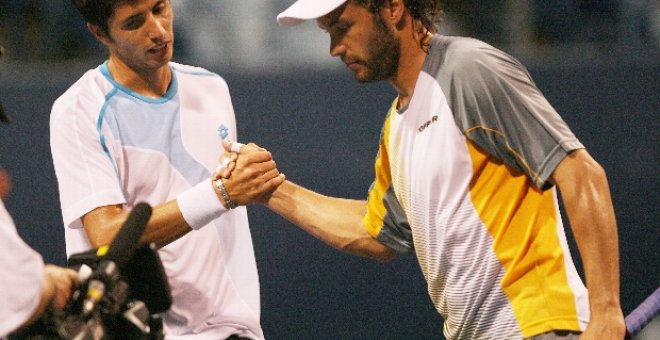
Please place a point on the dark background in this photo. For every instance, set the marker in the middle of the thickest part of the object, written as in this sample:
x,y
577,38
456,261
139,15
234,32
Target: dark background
x,y
323,129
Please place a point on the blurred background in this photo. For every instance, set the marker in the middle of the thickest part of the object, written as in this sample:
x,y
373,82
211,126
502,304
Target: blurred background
x,y
243,34
597,61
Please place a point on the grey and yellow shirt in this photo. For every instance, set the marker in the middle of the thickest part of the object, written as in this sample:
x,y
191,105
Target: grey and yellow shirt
x,y
462,180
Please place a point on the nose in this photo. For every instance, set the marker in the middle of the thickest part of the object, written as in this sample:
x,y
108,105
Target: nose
x,y
337,48
157,28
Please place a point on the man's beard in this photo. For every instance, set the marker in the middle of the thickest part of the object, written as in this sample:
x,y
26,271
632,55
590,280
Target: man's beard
x,y
384,50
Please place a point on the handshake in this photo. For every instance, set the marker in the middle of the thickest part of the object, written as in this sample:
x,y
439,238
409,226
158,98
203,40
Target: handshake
x,y
245,174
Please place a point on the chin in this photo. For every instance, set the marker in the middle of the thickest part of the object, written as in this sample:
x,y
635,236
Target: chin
x,y
365,78
162,63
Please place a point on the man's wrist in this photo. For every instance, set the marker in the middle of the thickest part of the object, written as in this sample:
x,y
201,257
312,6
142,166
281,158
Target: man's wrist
x,y
229,204
200,205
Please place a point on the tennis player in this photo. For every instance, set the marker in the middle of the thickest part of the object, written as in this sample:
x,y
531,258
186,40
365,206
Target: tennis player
x,y
470,161
141,128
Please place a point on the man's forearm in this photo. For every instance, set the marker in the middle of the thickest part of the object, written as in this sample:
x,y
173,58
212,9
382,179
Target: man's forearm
x,y
594,227
335,221
165,225
586,196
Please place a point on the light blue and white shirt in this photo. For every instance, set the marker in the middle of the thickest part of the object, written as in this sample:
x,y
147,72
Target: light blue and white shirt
x,y
111,145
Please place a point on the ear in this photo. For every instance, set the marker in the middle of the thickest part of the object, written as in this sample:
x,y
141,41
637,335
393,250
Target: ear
x,y
99,34
394,11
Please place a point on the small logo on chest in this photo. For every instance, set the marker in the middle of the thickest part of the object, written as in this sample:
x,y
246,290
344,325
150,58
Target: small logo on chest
x,y
428,122
223,131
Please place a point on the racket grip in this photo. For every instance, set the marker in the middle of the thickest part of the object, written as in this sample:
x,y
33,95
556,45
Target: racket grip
x,y
643,314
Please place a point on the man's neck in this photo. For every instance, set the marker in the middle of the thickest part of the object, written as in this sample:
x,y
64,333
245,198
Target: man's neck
x,y
147,82
413,56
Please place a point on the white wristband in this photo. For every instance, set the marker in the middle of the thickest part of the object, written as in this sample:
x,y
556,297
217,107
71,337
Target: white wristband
x,y
200,205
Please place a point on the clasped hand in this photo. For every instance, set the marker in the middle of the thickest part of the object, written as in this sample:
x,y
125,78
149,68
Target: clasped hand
x,y
248,172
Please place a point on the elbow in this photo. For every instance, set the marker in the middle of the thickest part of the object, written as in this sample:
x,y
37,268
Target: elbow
x,y
595,178
98,238
384,257
370,248
97,242
579,170
594,170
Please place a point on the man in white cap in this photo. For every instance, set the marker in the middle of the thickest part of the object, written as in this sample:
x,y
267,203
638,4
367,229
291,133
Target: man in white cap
x,y
470,159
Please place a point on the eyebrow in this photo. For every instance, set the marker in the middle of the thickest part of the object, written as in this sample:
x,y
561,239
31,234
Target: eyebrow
x,y
335,20
139,14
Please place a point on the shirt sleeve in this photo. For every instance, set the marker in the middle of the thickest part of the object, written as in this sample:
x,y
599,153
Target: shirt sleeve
x,y
21,277
498,106
85,162
385,219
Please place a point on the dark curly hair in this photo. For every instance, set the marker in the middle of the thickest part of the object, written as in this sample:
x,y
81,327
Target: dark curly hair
x,y
98,12
428,12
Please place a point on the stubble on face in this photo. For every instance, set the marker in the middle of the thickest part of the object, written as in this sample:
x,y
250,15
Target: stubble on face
x,y
383,52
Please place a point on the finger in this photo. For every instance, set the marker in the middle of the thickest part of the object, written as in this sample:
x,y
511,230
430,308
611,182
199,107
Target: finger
x,y
227,145
275,182
270,174
256,146
236,147
73,277
227,157
219,171
257,156
257,170
270,187
61,299
226,162
63,281
224,171
228,170
250,148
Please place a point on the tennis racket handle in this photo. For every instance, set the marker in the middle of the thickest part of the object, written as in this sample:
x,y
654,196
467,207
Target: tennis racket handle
x,y
643,314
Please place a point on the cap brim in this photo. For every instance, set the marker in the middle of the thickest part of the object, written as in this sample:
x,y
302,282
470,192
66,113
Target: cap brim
x,y
303,10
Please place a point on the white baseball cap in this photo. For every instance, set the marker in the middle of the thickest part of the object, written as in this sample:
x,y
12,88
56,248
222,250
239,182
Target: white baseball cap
x,y
302,10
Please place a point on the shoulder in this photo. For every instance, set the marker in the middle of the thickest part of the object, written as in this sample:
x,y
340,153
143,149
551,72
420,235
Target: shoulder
x,y
467,63
191,70
198,76
462,45
88,91
196,72
462,54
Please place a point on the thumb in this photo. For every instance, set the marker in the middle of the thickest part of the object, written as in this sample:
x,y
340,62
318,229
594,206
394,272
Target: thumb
x,y
227,145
